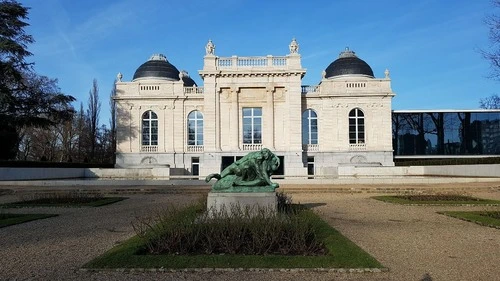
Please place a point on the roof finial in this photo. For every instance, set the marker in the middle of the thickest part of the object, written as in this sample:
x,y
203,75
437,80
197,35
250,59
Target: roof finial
x,y
387,73
158,57
347,53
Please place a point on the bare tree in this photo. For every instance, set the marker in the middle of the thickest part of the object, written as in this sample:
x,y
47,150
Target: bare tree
x,y
491,102
493,54
93,111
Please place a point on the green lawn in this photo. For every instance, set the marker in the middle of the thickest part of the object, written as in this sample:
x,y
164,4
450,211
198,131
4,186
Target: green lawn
x,y
54,203
11,219
341,253
435,200
491,218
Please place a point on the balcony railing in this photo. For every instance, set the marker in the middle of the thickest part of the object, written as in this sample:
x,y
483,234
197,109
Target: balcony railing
x,y
251,147
149,148
193,90
194,148
357,147
310,147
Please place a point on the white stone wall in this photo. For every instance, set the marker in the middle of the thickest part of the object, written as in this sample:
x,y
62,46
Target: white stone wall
x,y
272,83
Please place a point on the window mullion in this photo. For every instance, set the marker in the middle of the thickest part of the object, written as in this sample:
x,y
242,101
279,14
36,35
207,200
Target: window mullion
x,y
150,130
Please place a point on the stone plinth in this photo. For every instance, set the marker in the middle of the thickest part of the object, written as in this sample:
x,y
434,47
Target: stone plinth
x,y
225,201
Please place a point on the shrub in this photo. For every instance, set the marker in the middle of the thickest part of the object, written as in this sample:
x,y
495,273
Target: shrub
x,y
70,197
284,202
492,214
239,231
438,197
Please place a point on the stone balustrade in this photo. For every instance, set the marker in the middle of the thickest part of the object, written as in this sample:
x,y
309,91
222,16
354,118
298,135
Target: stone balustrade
x,y
357,147
251,147
149,148
193,90
310,147
194,148
349,86
235,62
306,89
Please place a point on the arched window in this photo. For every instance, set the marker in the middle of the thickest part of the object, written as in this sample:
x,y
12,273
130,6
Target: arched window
x,y
149,128
309,127
195,128
356,126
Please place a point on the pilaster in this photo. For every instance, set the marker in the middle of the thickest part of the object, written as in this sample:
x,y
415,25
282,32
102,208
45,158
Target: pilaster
x,y
235,120
269,122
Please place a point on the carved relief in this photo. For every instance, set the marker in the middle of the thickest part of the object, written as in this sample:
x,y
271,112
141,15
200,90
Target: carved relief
x,y
146,161
279,94
225,94
358,159
253,94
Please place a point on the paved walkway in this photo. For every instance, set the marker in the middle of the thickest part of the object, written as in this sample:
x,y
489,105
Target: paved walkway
x,y
414,242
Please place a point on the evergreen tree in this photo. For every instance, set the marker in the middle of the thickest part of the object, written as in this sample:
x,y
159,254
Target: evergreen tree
x,y
26,99
93,112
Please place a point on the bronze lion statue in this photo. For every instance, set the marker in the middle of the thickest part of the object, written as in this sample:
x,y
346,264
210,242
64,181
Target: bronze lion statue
x,y
253,170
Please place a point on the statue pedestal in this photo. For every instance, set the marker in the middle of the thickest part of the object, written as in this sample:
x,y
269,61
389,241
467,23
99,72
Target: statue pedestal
x,y
251,201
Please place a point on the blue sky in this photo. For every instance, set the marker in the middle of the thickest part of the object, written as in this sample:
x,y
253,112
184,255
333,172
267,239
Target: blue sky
x,y
430,47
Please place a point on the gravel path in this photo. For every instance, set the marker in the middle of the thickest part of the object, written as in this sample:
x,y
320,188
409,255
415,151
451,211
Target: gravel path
x,y
414,242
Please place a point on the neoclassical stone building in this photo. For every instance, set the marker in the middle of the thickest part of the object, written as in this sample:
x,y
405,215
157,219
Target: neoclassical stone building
x,y
247,103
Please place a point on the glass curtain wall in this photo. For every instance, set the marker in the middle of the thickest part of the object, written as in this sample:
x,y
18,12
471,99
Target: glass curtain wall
x,y
446,133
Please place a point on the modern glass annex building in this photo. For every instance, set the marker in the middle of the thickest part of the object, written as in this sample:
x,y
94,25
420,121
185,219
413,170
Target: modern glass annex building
x,y
445,133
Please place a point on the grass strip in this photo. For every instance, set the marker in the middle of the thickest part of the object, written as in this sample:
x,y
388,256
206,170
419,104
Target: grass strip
x,y
94,203
486,218
399,200
342,253
12,219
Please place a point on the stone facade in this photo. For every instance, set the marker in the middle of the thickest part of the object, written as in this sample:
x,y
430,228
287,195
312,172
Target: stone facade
x,y
247,103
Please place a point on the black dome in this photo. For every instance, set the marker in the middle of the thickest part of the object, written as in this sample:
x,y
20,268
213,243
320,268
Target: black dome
x,y
348,64
157,67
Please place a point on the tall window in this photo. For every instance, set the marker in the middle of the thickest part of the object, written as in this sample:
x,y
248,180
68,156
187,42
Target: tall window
x,y
252,125
195,128
309,127
149,128
356,126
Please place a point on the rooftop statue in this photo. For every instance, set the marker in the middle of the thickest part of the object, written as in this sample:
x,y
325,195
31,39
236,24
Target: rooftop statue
x,y
210,48
249,174
294,47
